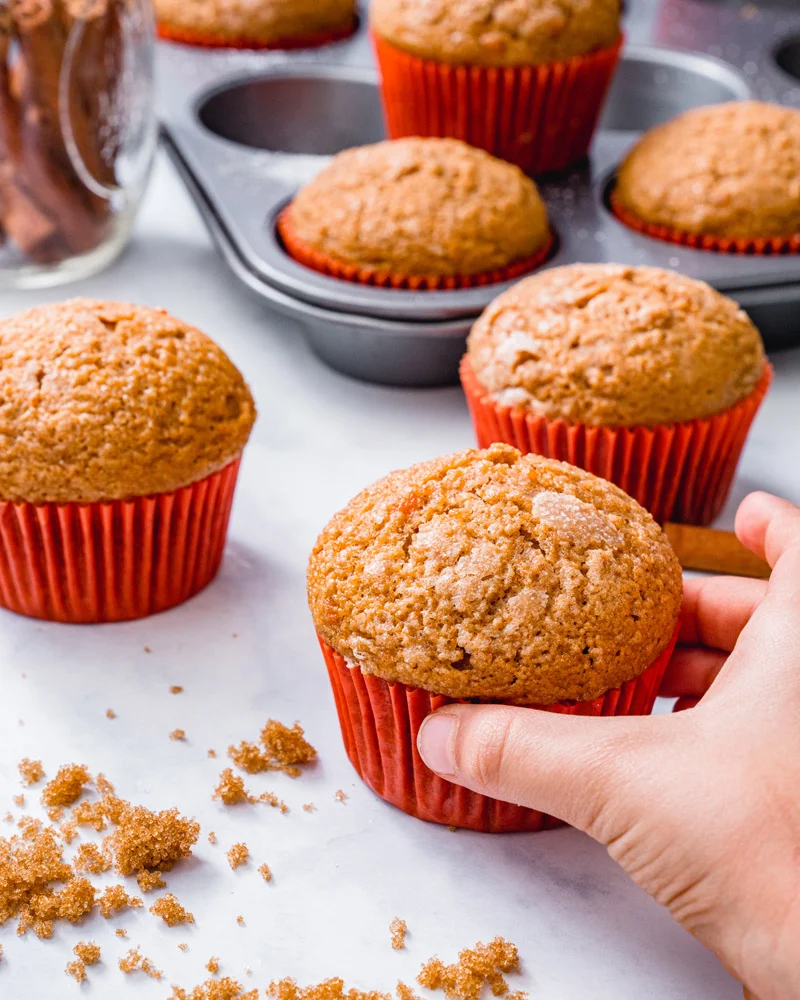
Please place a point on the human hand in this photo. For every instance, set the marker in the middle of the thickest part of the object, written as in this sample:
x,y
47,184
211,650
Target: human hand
x,y
701,808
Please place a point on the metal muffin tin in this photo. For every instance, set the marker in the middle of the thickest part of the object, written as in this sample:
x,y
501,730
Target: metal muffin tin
x,y
246,129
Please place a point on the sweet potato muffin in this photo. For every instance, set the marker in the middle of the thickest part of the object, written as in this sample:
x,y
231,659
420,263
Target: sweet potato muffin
x,y
104,401
420,207
496,576
497,32
727,170
612,345
260,23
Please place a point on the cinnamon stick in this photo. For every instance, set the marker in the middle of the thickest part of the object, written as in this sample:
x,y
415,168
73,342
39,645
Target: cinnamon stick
x,y
714,551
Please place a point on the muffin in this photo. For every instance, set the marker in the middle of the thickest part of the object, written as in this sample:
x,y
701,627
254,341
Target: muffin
x,y
256,24
122,431
494,577
724,177
418,213
525,80
642,376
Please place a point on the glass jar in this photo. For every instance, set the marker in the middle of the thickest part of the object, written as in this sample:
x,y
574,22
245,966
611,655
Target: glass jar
x,y
77,134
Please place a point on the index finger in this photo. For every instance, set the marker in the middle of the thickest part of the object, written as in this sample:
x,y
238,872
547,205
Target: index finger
x,y
716,609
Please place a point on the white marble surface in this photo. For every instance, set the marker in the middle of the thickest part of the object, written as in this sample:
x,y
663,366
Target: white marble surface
x,y
342,872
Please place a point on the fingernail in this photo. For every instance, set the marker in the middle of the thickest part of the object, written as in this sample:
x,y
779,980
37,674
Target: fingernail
x,y
435,743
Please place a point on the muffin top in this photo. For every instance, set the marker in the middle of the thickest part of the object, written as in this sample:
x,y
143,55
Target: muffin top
x,y
611,345
497,32
262,21
103,401
497,576
421,207
724,170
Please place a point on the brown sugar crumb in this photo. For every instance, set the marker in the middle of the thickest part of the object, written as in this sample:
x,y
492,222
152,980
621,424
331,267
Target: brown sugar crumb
x,y
91,858
76,899
68,831
29,827
405,992
9,817
249,757
28,867
340,796
452,829
115,898
103,785
176,689
212,753
230,789
31,771
212,837
240,920
238,855
272,799
213,965
483,964
265,872
92,814
287,748
147,649
183,946
309,807
151,840
148,881
110,713
178,734
215,989
135,961
76,969
398,929
121,932
330,989
88,952
67,785
18,800
171,912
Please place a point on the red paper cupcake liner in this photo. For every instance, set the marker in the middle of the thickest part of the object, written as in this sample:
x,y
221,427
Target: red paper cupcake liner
x,y
542,118
380,722
679,472
315,39
304,254
108,562
767,246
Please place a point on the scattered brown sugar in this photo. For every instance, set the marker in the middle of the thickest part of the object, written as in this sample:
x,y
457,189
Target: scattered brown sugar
x,y
151,840
31,771
183,946
212,753
265,872
238,855
148,881
212,837
171,912
452,829
67,785
230,789
68,831
103,785
76,899
92,814
215,989
240,920
29,827
115,898
9,818
176,689
147,649
213,965
340,795
134,961
330,989
1,953
398,929
178,734
18,800
405,992
121,932
110,713
272,800
92,858
483,964
76,969
309,807
287,748
249,757
28,867
88,952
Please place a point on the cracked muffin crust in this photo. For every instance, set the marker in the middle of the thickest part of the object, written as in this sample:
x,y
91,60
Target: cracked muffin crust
x,y
724,170
421,207
611,345
104,401
262,22
496,576
497,32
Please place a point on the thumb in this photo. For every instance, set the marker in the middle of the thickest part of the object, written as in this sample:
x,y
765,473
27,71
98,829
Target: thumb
x,y
583,770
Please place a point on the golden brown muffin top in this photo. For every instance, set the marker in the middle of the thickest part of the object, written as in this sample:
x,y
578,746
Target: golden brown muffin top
x,y
612,345
261,21
497,32
492,575
421,207
104,400
724,170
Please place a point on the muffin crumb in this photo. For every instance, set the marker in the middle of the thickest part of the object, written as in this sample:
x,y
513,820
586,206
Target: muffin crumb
x,y
150,880
31,771
238,856
67,786
265,872
171,912
398,929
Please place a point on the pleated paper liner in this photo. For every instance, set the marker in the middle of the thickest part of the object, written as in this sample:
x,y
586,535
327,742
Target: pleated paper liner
x,y
542,118
185,36
679,472
107,562
380,722
309,257
767,246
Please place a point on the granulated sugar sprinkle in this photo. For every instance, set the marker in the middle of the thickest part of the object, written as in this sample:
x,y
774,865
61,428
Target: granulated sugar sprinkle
x,y
31,771
238,855
398,929
171,912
